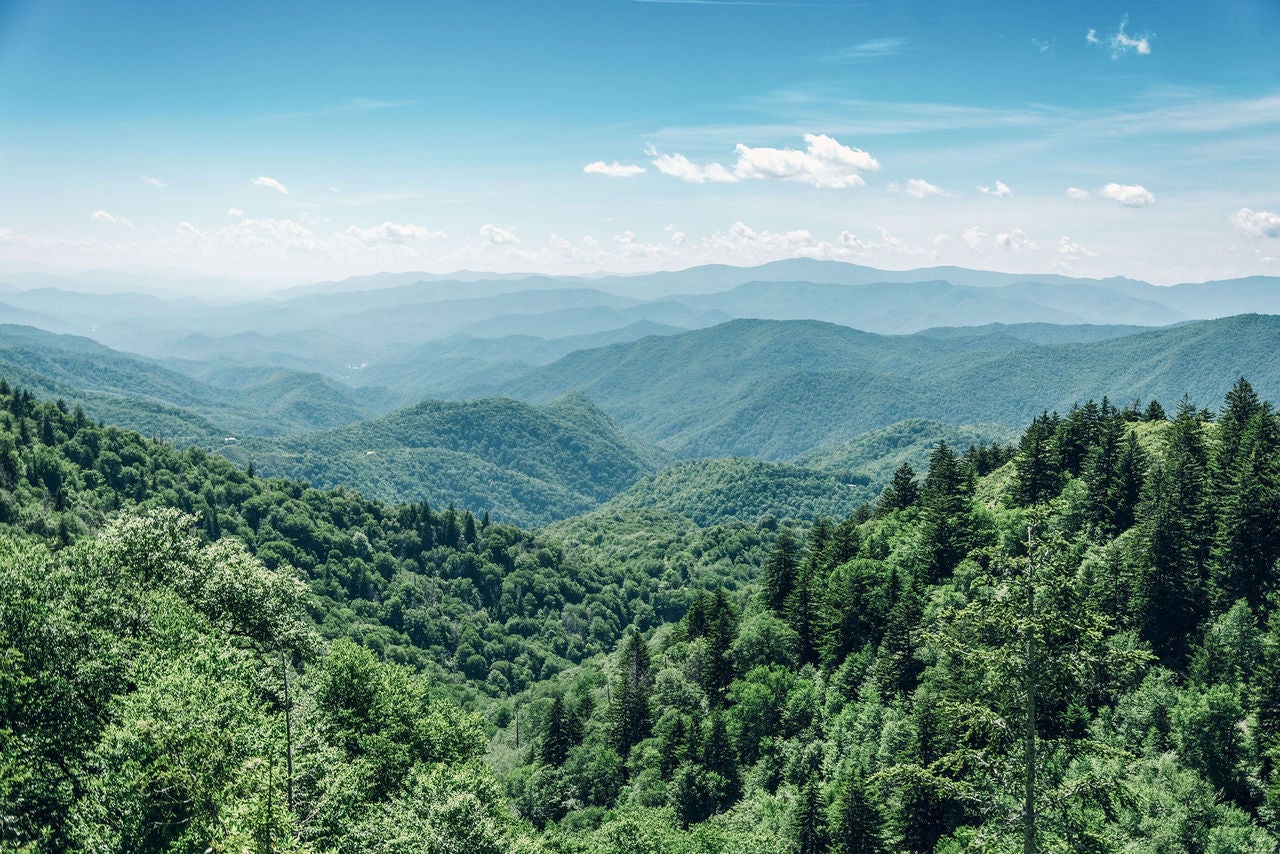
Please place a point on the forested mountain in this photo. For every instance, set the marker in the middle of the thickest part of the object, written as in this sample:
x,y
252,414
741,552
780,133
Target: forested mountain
x,y
774,390
340,329
144,395
1079,646
877,454
524,464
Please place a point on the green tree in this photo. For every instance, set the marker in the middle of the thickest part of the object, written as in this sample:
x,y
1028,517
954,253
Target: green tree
x,y
778,578
853,820
556,737
629,712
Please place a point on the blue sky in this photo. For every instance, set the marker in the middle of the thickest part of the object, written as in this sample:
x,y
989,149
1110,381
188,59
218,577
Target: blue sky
x,y
303,141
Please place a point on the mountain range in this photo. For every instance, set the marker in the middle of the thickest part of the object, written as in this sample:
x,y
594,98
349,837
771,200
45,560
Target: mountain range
x,y
541,397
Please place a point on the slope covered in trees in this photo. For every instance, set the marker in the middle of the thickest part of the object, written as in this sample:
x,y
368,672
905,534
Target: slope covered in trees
x,y
774,390
1076,650
524,464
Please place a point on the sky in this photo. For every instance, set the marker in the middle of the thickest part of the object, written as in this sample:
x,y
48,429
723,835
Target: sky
x,y
289,142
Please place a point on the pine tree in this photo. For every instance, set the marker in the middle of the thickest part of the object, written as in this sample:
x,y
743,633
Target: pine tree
x,y
896,668
853,822
947,527
1126,485
1247,540
804,613
629,713
1176,536
808,824
722,629
1037,465
1238,410
844,544
718,755
901,493
555,741
779,573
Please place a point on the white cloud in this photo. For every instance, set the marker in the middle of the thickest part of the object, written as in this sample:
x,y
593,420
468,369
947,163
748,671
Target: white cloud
x,y
235,213
679,166
111,219
975,238
155,182
1068,248
390,233
675,235
1078,194
1121,42
1000,190
824,163
270,184
614,169
1015,240
1253,223
277,238
918,188
743,244
1129,195
888,46
498,236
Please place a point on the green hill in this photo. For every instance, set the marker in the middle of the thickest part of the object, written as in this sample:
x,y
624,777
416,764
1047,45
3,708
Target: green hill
x,y
878,453
776,389
714,491
524,464
146,396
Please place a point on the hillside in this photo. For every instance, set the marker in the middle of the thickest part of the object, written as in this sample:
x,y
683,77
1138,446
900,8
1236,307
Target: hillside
x,y
523,464
776,389
710,492
339,672
144,395
876,454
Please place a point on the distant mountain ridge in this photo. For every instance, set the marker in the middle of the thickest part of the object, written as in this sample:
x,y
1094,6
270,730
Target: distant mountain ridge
x,y
776,389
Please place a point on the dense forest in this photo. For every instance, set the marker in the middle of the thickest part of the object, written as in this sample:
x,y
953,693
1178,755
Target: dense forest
x,y
1071,645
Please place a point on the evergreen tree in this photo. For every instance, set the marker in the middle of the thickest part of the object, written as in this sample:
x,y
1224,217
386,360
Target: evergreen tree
x,y
722,629
1247,541
947,527
1238,410
1037,465
901,493
1126,485
555,740
804,612
718,755
896,668
853,821
779,574
1176,537
844,544
808,824
629,713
